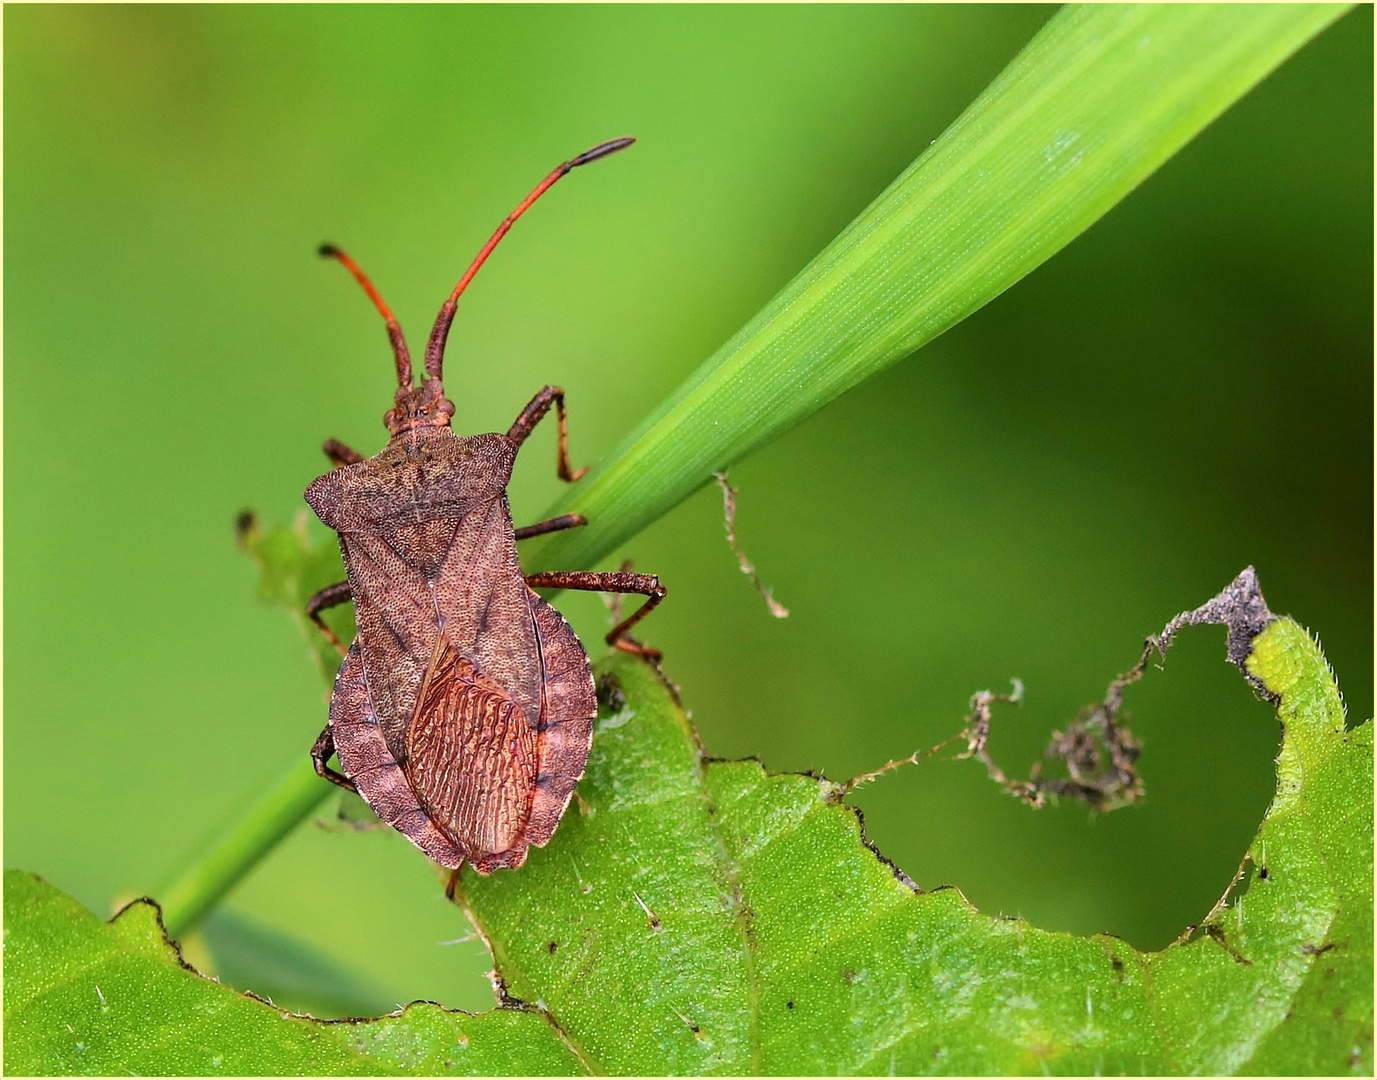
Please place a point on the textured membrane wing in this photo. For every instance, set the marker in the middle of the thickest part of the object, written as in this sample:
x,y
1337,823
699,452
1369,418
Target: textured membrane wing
x,y
472,759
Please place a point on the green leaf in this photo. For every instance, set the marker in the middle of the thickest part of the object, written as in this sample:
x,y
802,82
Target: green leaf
x,y
692,916
695,917
1096,102
83,996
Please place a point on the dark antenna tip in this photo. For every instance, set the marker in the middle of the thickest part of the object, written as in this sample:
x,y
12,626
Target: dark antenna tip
x,y
327,251
602,150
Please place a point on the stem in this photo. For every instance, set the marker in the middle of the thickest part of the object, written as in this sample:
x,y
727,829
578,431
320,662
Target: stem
x,y
194,895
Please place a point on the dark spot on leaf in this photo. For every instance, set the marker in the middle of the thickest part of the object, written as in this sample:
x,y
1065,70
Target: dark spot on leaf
x,y
552,947
747,915
1263,874
849,975
788,1004
1217,936
1316,950
610,693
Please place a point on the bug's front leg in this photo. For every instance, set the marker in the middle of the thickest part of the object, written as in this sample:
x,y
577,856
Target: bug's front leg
x,y
532,414
328,597
321,753
341,455
647,585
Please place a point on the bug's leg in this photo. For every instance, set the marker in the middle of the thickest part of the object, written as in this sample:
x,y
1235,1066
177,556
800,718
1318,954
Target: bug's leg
x,y
330,596
341,455
320,754
554,524
532,414
453,883
647,585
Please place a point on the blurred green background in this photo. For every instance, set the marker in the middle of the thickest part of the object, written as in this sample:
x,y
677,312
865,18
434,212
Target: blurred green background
x,y
1185,390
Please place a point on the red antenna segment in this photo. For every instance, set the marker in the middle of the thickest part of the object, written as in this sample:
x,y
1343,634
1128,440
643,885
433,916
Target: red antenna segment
x,y
435,348
394,328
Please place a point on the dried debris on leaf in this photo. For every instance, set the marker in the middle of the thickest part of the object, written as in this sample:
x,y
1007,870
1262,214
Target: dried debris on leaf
x,y
1100,754
983,699
1098,751
778,610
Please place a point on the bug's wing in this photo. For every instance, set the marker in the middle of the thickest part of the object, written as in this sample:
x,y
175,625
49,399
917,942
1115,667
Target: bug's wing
x,y
482,598
569,708
472,759
416,581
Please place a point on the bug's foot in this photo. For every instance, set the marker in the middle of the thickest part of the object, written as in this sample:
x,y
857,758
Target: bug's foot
x,y
635,648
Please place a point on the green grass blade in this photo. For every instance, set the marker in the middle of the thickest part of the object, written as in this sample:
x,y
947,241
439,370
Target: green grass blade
x,y
1098,100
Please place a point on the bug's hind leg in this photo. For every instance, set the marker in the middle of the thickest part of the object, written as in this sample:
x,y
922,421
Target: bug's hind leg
x,y
532,414
321,753
647,585
453,882
328,597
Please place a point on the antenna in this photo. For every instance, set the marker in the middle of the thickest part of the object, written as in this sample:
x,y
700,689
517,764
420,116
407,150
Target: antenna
x,y
435,348
394,328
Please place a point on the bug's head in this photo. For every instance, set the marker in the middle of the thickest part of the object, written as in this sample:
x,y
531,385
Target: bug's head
x,y
426,405
419,406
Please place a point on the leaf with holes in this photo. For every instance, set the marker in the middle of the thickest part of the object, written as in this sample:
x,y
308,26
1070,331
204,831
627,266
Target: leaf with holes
x,y
708,917
695,917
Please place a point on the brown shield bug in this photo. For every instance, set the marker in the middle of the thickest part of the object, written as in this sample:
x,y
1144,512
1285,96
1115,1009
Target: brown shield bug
x,y
463,711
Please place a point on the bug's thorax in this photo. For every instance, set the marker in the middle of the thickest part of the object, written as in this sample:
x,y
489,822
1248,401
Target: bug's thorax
x,y
423,472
